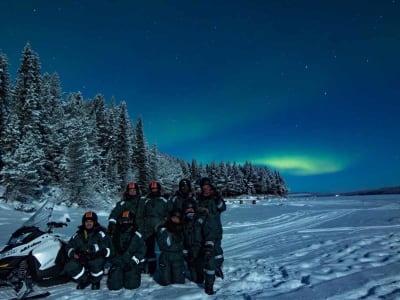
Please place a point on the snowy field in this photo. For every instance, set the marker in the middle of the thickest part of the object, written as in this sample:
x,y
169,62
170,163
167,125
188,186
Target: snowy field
x,y
298,248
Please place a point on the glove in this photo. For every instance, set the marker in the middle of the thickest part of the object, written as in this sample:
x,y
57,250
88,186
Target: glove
x,y
103,252
83,257
111,227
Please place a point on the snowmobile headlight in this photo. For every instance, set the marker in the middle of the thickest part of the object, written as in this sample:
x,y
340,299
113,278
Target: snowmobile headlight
x,y
4,266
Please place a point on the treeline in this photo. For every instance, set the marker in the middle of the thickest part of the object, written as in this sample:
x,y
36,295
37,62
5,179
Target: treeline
x,y
89,149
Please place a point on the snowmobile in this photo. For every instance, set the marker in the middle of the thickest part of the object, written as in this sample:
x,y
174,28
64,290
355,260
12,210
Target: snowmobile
x,y
33,256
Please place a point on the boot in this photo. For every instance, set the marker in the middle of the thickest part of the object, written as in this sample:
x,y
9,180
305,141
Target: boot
x,y
219,273
82,285
83,282
95,285
209,289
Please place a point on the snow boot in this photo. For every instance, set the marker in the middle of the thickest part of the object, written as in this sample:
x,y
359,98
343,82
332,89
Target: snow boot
x,y
83,283
95,285
209,289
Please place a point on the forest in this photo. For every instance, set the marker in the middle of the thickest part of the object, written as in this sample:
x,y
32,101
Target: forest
x,y
87,147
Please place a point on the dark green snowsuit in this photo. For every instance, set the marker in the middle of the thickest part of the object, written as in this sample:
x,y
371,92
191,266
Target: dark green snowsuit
x,y
128,250
171,262
199,239
128,203
178,198
93,247
215,205
153,209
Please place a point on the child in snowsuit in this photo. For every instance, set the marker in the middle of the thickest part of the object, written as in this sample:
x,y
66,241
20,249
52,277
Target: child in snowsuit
x,y
128,249
87,250
170,241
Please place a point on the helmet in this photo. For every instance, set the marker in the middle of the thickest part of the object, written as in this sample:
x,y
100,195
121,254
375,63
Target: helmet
x,y
89,215
126,217
155,185
132,189
126,221
205,181
132,185
189,203
185,186
175,213
185,182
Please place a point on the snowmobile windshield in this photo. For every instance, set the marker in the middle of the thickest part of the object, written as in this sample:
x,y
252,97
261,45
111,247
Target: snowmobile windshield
x,y
41,217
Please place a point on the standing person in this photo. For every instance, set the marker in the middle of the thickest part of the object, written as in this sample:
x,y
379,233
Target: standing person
x,y
130,201
170,240
199,245
128,250
153,209
212,200
183,193
87,250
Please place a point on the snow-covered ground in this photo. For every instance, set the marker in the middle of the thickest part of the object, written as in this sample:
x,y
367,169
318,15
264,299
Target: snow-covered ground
x,y
298,248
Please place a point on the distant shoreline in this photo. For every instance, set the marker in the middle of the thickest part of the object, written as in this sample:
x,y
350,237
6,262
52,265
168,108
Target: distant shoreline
x,y
380,191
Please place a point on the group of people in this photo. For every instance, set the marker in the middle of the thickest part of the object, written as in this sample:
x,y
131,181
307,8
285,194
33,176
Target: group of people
x,y
186,227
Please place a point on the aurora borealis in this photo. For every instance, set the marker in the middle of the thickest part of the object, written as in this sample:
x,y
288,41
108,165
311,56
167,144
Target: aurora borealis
x,y
309,88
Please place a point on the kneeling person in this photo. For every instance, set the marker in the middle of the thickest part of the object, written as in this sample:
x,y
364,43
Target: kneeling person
x,y
128,250
87,250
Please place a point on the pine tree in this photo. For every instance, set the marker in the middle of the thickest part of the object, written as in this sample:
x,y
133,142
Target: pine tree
x,y
141,157
27,93
5,102
52,123
122,145
20,170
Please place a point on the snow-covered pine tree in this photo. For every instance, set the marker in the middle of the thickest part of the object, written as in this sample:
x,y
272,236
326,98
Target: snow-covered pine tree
x,y
141,157
122,145
21,172
153,162
27,93
52,123
5,102
110,152
80,169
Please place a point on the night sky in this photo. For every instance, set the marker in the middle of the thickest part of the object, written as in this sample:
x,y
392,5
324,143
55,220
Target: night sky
x,y
309,88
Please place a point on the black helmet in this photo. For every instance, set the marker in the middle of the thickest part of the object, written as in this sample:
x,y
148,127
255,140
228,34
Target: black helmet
x,y
189,203
175,213
89,215
185,182
185,186
155,185
205,181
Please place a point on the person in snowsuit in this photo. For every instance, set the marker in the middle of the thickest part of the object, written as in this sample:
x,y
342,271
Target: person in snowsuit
x,y
130,201
153,209
183,193
87,250
212,200
198,250
170,241
128,250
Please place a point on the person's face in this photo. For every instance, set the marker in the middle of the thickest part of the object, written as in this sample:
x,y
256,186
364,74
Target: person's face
x,y
206,190
175,220
89,224
185,189
132,192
